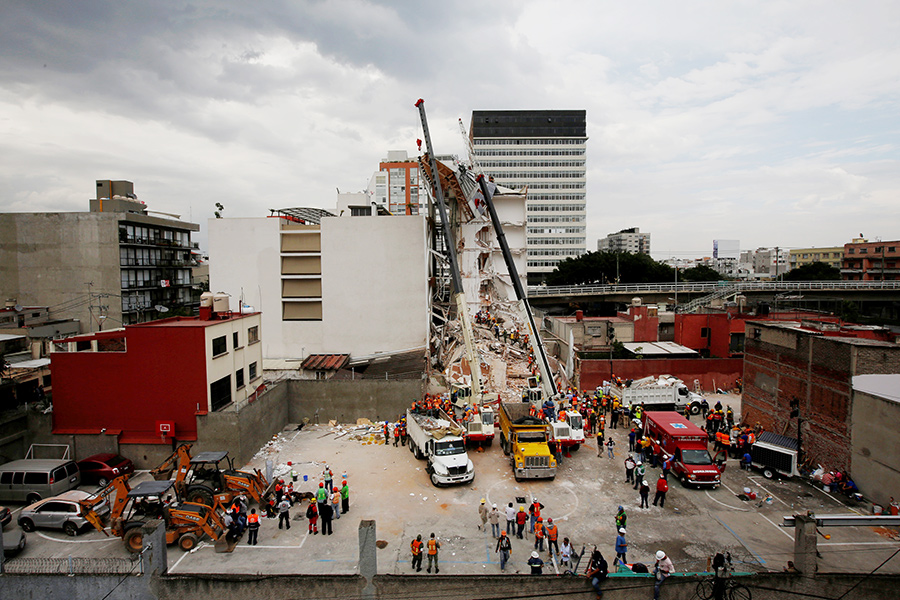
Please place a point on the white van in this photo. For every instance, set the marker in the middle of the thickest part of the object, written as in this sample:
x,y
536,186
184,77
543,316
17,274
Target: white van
x,y
32,479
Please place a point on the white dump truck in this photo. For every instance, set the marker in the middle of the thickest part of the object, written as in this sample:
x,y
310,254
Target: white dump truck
x,y
663,393
436,438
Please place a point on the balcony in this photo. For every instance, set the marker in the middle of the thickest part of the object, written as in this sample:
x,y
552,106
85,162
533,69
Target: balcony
x,y
130,240
150,262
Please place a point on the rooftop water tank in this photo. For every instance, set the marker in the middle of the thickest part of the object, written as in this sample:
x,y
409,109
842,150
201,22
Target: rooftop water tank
x,y
220,303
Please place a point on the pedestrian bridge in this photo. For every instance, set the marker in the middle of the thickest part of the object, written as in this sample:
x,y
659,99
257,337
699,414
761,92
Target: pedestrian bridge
x,y
690,296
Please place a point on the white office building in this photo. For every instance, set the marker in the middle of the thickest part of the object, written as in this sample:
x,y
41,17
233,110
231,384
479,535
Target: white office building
x,y
630,240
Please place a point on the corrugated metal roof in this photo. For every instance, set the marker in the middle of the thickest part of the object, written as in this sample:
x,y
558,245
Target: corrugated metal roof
x,y
325,362
657,348
35,363
779,440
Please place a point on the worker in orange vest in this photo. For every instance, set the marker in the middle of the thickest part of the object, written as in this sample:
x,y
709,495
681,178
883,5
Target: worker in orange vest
x,y
416,548
539,535
252,527
552,536
433,546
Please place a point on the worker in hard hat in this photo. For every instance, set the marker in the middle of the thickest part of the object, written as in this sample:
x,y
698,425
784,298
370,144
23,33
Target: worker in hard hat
x,y
663,569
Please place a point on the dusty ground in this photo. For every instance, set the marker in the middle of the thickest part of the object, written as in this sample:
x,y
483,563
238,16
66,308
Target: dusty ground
x,y
390,486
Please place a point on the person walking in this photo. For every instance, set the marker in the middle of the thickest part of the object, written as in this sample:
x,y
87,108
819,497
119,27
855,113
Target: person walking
x,y
284,515
494,518
536,564
621,518
534,513
521,519
433,547
510,519
610,444
662,570
336,503
312,515
504,547
483,513
632,437
621,546
645,494
629,469
252,527
416,548
552,537
662,486
345,496
325,514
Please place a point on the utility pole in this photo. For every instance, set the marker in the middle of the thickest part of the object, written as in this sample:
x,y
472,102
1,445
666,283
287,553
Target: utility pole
x,y
676,286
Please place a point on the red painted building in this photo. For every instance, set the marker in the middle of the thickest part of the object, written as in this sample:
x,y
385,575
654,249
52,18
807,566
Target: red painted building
x,y
871,261
135,381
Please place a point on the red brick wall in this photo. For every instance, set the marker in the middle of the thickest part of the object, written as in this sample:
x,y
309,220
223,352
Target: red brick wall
x,y
712,372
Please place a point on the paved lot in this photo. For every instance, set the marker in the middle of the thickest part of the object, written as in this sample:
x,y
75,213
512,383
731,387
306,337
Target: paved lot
x,y
390,486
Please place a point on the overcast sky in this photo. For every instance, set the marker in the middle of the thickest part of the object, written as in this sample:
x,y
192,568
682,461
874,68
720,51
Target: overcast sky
x,y
774,123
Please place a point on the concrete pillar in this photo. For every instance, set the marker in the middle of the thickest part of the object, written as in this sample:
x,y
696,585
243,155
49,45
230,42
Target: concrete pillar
x,y
805,549
154,558
2,556
368,560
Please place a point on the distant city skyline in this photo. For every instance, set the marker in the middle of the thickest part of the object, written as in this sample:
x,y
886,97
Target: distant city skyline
x,y
770,123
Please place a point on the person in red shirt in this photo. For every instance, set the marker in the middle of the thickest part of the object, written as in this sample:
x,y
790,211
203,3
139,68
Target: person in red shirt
x,y
662,486
521,519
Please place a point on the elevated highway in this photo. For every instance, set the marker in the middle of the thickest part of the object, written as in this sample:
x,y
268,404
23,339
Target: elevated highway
x,y
693,296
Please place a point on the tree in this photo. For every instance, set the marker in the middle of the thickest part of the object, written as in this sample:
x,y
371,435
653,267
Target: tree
x,y
610,267
700,273
814,271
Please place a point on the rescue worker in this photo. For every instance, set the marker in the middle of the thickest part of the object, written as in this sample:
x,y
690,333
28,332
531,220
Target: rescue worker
x,y
336,503
645,494
639,472
534,511
663,569
510,519
504,547
345,496
252,527
433,547
629,469
597,572
321,497
536,564
494,518
416,549
662,486
521,519
284,515
552,536
621,546
326,513
539,534
621,518
312,515
483,513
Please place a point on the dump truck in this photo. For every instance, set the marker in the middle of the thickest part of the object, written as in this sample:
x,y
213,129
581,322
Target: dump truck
x,y
199,479
523,437
479,428
186,522
664,393
434,436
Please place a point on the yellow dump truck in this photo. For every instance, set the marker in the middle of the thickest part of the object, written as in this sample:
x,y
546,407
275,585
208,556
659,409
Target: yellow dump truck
x,y
524,438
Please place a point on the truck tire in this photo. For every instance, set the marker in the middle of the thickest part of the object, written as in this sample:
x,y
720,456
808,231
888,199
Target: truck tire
x,y
434,480
200,495
490,442
683,480
768,473
187,542
504,445
695,408
575,448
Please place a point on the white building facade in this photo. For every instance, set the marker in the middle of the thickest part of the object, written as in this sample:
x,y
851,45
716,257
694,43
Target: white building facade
x,y
325,284
543,151
629,240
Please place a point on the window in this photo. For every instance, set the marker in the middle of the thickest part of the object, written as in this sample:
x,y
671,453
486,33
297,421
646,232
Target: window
x,y
35,479
58,474
71,468
704,332
236,338
239,378
220,393
219,346
253,335
6,477
252,371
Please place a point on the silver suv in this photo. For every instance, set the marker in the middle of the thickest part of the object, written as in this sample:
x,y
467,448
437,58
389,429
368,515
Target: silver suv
x,y
60,512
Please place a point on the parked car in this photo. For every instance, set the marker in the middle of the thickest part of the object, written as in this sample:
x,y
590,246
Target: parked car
x,y
5,516
59,512
13,542
30,479
103,468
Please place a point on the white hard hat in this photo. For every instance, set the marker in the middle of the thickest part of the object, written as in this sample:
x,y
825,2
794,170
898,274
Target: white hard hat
x,y
621,530
495,506
660,555
535,554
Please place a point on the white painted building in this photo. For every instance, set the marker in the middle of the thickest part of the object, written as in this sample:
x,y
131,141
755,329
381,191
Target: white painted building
x,y
629,240
324,284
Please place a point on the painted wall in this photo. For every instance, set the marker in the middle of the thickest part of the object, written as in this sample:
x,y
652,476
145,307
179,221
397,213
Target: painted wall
x,y
875,446
40,253
239,357
374,283
713,373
